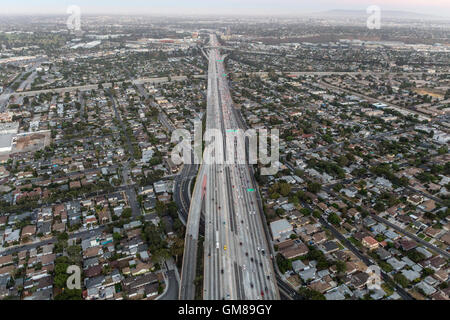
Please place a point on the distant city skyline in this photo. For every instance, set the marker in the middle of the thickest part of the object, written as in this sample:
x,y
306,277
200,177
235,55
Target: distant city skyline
x,y
226,7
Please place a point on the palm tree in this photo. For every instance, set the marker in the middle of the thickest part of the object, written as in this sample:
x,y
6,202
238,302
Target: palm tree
x,y
177,248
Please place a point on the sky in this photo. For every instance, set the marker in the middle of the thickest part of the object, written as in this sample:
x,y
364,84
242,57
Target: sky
x,y
221,7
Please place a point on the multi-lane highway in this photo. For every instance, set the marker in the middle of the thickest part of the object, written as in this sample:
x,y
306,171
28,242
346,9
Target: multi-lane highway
x,y
236,258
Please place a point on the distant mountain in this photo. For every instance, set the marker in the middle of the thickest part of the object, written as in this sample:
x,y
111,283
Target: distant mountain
x,y
390,14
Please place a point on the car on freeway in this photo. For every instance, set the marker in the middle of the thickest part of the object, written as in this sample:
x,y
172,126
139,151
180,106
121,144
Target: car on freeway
x,y
225,247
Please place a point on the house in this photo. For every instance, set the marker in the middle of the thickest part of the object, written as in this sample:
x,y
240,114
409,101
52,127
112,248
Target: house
x,y
359,280
407,244
338,293
104,216
370,243
147,190
322,285
396,264
28,231
446,238
160,187
280,229
369,222
298,265
437,262
319,237
12,236
330,247
141,268
414,199
310,229
291,249
425,288
308,274
3,220
93,271
411,275
59,227
6,260
432,232
46,294
92,252
165,197
441,275
151,290
132,283
383,253
44,228
428,205
352,212
427,254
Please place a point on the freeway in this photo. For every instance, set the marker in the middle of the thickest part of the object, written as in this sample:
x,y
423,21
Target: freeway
x,y
88,87
8,92
237,263
182,189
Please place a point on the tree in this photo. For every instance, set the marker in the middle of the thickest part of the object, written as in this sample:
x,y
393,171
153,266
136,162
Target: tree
x,y
309,294
401,280
313,187
116,237
333,218
74,294
74,254
285,189
379,206
126,213
160,207
160,255
427,272
341,267
443,150
283,263
177,248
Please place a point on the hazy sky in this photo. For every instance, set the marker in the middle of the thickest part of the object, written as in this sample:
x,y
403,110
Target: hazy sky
x,y
437,7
